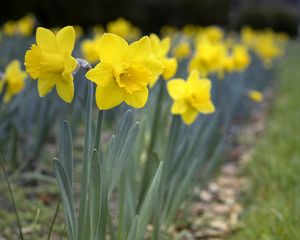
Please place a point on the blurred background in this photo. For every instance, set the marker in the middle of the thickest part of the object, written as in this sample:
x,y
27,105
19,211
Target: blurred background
x,y
150,15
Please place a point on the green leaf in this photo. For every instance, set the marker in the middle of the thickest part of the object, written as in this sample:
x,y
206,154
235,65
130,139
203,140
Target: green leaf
x,y
84,228
67,198
133,229
122,157
148,203
66,150
95,194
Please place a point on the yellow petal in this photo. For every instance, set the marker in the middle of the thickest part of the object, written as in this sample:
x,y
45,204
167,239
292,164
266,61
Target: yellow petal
x,y
66,39
137,99
189,116
177,88
110,96
179,107
46,40
200,85
45,85
170,67
32,61
165,46
140,49
112,48
156,67
65,89
194,76
206,107
101,74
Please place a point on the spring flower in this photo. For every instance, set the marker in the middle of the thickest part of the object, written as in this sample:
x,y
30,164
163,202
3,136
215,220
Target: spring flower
x,y
214,34
241,57
124,71
168,31
50,61
267,49
90,49
160,49
98,30
9,28
14,78
237,59
182,50
123,28
26,25
255,96
23,27
78,31
190,97
208,57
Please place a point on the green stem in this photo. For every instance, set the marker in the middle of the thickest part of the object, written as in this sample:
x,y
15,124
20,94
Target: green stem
x,y
12,198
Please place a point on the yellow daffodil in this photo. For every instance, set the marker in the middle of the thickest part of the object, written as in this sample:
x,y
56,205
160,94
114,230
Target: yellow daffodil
x,y
267,49
9,28
208,57
123,28
124,71
191,97
214,34
78,31
160,49
50,61
14,79
182,50
26,25
255,96
168,31
98,30
90,49
23,27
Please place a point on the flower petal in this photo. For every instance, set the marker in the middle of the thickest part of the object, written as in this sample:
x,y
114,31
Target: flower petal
x,y
177,88
138,99
110,96
46,40
189,116
194,76
112,48
45,85
101,74
66,39
140,49
170,67
65,89
179,107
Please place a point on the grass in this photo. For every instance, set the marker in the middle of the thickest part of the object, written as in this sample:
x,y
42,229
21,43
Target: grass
x,y
273,201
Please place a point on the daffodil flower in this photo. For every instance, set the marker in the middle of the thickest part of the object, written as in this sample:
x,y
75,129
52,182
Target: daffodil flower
x,y
90,49
50,61
255,96
160,49
182,50
14,78
191,97
124,72
123,28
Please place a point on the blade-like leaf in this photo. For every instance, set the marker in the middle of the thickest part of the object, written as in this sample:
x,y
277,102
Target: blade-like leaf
x,y
67,198
95,194
133,229
66,150
148,204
